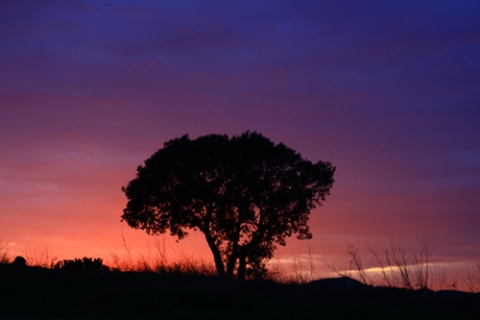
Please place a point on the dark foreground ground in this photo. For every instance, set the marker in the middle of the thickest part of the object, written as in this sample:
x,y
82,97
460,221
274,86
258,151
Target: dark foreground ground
x,y
35,293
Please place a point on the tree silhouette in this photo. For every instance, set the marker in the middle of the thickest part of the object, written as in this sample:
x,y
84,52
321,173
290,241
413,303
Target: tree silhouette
x,y
245,194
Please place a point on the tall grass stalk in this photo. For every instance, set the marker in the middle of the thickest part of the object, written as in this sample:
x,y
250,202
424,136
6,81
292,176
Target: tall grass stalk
x,y
152,260
4,255
155,258
357,264
395,268
40,258
472,280
301,269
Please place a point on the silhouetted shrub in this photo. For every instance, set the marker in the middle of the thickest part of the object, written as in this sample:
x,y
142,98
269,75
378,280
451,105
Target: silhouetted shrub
x,y
19,262
84,264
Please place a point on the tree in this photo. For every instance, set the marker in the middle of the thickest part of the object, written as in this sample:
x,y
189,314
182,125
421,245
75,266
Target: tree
x,y
245,194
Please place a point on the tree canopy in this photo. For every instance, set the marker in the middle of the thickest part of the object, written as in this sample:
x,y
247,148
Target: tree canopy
x,y
246,194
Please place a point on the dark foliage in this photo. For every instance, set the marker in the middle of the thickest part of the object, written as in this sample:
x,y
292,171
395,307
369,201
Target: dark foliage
x,y
245,194
84,264
19,262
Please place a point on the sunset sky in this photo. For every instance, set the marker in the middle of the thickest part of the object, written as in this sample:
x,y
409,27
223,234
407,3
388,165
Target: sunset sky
x,y
388,91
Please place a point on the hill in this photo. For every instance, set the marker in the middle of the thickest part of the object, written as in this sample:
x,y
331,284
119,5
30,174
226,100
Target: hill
x,y
37,293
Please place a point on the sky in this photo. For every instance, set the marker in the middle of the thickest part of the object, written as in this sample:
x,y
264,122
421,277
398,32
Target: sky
x,y
388,91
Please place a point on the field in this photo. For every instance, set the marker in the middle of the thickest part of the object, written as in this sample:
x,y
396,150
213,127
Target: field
x,y
41,293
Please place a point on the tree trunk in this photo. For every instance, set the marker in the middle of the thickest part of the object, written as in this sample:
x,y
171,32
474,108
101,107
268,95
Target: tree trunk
x,y
242,265
232,260
205,228
217,257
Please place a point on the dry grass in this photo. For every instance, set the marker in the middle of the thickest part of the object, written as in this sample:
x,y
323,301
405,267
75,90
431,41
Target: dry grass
x,y
40,258
472,280
394,267
301,269
155,258
4,255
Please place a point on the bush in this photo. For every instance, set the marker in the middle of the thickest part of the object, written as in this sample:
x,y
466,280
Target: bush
x,y
84,264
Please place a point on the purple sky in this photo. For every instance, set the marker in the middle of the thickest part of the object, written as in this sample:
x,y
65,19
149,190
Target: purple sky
x,y
389,92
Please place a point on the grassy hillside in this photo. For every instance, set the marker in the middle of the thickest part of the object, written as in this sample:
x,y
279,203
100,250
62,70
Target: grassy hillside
x,y
38,293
